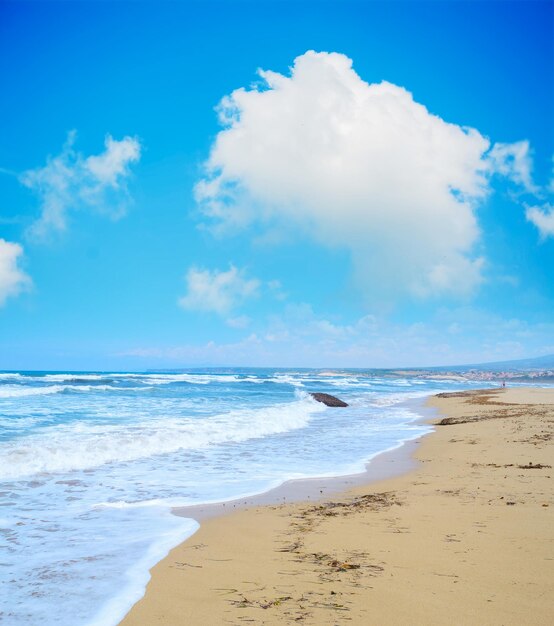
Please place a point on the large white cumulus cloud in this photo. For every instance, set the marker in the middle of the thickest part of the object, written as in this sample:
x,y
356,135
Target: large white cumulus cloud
x,y
357,165
12,278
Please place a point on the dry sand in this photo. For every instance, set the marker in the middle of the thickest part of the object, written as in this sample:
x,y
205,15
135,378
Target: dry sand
x,y
465,538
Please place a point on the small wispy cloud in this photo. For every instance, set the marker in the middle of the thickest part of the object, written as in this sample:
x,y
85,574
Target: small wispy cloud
x,y
276,289
242,321
514,161
13,279
543,218
217,291
71,181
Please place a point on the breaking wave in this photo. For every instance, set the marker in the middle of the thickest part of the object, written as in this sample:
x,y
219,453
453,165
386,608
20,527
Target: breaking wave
x,y
85,446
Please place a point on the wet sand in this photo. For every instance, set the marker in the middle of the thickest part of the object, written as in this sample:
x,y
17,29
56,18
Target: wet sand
x,y
465,537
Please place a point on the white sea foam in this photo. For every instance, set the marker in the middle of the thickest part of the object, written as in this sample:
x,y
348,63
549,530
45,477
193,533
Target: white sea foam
x,y
10,376
396,398
72,377
142,504
287,379
167,379
78,446
101,388
137,576
19,391
20,423
155,378
347,382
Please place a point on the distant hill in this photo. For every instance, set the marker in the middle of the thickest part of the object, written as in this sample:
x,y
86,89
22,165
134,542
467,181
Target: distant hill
x,y
536,363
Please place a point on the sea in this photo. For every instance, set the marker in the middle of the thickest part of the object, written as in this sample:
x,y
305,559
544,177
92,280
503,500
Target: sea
x,y
91,464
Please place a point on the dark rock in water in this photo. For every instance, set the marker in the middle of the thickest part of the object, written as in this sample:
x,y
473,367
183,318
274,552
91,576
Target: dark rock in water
x,y
328,399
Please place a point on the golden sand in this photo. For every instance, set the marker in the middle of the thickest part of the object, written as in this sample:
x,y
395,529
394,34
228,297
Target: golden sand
x,y
466,538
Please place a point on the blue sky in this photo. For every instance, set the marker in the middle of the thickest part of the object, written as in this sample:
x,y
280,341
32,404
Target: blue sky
x,y
381,196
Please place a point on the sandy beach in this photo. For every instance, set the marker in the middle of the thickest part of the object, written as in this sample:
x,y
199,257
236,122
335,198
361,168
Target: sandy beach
x,y
464,537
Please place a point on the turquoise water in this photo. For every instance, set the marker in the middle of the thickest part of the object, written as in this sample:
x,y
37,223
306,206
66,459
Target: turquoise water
x,y
91,464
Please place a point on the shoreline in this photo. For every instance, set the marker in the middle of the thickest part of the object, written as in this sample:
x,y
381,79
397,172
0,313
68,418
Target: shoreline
x,y
394,462
397,460
391,463
233,570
